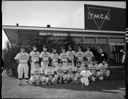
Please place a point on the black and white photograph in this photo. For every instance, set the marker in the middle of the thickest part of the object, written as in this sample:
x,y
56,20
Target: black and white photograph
x,y
64,49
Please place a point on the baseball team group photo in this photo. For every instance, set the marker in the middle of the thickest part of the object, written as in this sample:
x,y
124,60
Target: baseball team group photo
x,y
68,66
64,49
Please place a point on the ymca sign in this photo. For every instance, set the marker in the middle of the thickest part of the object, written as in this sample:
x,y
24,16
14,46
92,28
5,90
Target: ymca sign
x,y
104,18
98,15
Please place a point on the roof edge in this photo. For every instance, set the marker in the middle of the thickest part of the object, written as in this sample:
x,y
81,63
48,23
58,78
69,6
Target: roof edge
x,y
57,29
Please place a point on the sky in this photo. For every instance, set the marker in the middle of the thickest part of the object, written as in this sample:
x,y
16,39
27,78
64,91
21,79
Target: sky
x,y
68,14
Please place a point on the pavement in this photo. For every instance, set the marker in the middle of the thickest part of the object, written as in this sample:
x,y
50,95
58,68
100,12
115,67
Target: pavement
x,y
114,88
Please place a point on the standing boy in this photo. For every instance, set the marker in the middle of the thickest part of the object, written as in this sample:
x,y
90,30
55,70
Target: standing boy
x,y
80,55
45,55
89,55
34,55
54,57
22,58
71,55
63,56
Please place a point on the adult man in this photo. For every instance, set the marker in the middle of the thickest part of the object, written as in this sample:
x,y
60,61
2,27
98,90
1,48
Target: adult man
x,y
102,55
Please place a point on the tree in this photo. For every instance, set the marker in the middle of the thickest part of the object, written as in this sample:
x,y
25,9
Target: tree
x,y
8,57
69,41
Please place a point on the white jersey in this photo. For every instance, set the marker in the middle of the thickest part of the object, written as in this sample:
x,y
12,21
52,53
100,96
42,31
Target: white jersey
x,y
103,66
37,71
70,54
86,73
45,56
54,56
80,55
96,66
34,56
63,57
88,54
49,71
23,57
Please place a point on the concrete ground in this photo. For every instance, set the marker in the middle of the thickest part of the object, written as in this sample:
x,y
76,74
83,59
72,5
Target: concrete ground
x,y
114,88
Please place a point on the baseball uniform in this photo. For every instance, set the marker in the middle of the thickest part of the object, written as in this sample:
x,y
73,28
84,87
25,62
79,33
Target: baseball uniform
x,y
45,59
80,55
103,69
23,58
71,55
34,58
54,57
84,79
89,55
63,57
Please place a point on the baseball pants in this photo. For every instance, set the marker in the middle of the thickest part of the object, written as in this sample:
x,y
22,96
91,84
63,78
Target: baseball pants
x,y
22,68
32,67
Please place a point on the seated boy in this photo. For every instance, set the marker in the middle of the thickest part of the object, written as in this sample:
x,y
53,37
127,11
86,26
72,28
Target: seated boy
x,y
60,72
104,70
53,78
94,68
49,72
84,76
35,77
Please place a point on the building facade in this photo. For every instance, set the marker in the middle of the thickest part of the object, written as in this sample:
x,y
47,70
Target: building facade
x,y
104,27
111,41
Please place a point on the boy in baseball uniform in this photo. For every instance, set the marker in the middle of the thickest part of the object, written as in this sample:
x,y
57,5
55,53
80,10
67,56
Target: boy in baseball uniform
x,y
54,57
70,73
60,72
22,58
94,67
89,55
63,56
34,55
35,77
70,54
80,55
84,76
104,70
53,75
45,56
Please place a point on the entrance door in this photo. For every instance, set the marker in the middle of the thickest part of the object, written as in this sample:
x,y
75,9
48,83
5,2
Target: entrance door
x,y
116,54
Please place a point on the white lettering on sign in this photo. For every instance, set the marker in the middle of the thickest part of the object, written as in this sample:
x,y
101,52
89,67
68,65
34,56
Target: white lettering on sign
x,y
98,15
